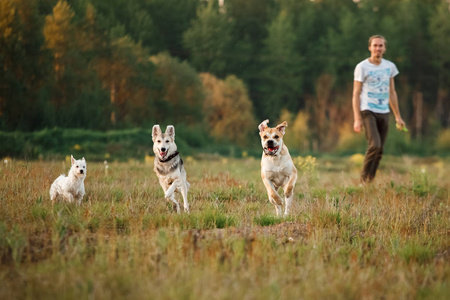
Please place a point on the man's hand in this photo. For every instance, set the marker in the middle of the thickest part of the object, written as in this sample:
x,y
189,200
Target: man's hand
x,y
356,103
357,125
400,122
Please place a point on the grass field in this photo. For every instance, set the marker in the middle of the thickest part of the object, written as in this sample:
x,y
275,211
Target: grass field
x,y
387,240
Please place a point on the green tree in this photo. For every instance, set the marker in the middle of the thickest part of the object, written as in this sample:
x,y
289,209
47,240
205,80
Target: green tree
x,y
24,66
171,18
250,19
181,96
345,43
440,40
128,76
135,18
312,22
412,17
208,40
281,78
76,93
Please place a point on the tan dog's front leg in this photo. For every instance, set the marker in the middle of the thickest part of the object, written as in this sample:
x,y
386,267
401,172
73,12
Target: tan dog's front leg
x,y
289,192
274,197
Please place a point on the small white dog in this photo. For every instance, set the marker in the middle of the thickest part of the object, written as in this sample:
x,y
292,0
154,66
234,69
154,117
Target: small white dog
x,y
168,166
277,168
70,188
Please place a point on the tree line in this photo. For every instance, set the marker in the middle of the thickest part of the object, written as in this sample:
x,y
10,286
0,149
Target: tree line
x,y
225,65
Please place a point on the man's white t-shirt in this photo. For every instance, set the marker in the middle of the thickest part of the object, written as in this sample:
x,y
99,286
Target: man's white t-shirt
x,y
375,84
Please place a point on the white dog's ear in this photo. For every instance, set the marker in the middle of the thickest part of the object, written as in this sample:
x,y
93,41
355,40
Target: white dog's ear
x,y
282,127
83,159
72,160
263,126
170,130
155,131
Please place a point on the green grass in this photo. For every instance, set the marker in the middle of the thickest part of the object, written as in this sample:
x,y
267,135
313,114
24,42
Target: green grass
x,y
387,240
267,220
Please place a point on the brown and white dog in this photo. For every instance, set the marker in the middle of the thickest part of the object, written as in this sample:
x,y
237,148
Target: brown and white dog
x,y
168,166
277,168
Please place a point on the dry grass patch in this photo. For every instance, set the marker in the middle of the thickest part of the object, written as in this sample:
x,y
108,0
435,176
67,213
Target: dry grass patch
x,y
388,240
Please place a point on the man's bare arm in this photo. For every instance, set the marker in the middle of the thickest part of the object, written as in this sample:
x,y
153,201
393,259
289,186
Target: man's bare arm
x,y
393,102
356,103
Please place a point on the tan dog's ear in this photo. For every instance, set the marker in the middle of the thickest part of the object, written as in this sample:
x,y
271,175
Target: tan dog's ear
x,y
282,127
155,131
263,126
170,130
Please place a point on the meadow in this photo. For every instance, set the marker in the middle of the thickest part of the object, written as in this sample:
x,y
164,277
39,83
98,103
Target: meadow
x,y
386,240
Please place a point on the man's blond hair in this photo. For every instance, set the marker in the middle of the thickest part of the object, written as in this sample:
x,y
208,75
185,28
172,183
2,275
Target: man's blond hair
x,y
377,37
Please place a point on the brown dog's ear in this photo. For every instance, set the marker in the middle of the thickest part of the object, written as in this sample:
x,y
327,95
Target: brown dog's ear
x,y
155,131
282,127
170,130
263,126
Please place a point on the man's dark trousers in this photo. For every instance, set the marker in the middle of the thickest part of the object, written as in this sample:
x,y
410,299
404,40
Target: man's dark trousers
x,y
376,127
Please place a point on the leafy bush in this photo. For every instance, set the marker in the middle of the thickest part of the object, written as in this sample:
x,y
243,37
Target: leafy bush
x,y
97,145
13,143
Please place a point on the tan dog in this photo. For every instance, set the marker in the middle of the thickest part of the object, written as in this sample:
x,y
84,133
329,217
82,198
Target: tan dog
x,y
277,168
169,166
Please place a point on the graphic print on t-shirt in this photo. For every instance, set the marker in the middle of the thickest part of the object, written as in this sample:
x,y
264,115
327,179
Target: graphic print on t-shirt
x,y
378,81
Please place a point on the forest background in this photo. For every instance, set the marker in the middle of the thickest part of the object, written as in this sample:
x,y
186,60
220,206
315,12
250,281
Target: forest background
x,y
93,76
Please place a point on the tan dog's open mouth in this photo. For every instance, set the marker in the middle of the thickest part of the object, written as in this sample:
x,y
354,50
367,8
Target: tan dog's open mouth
x,y
271,150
